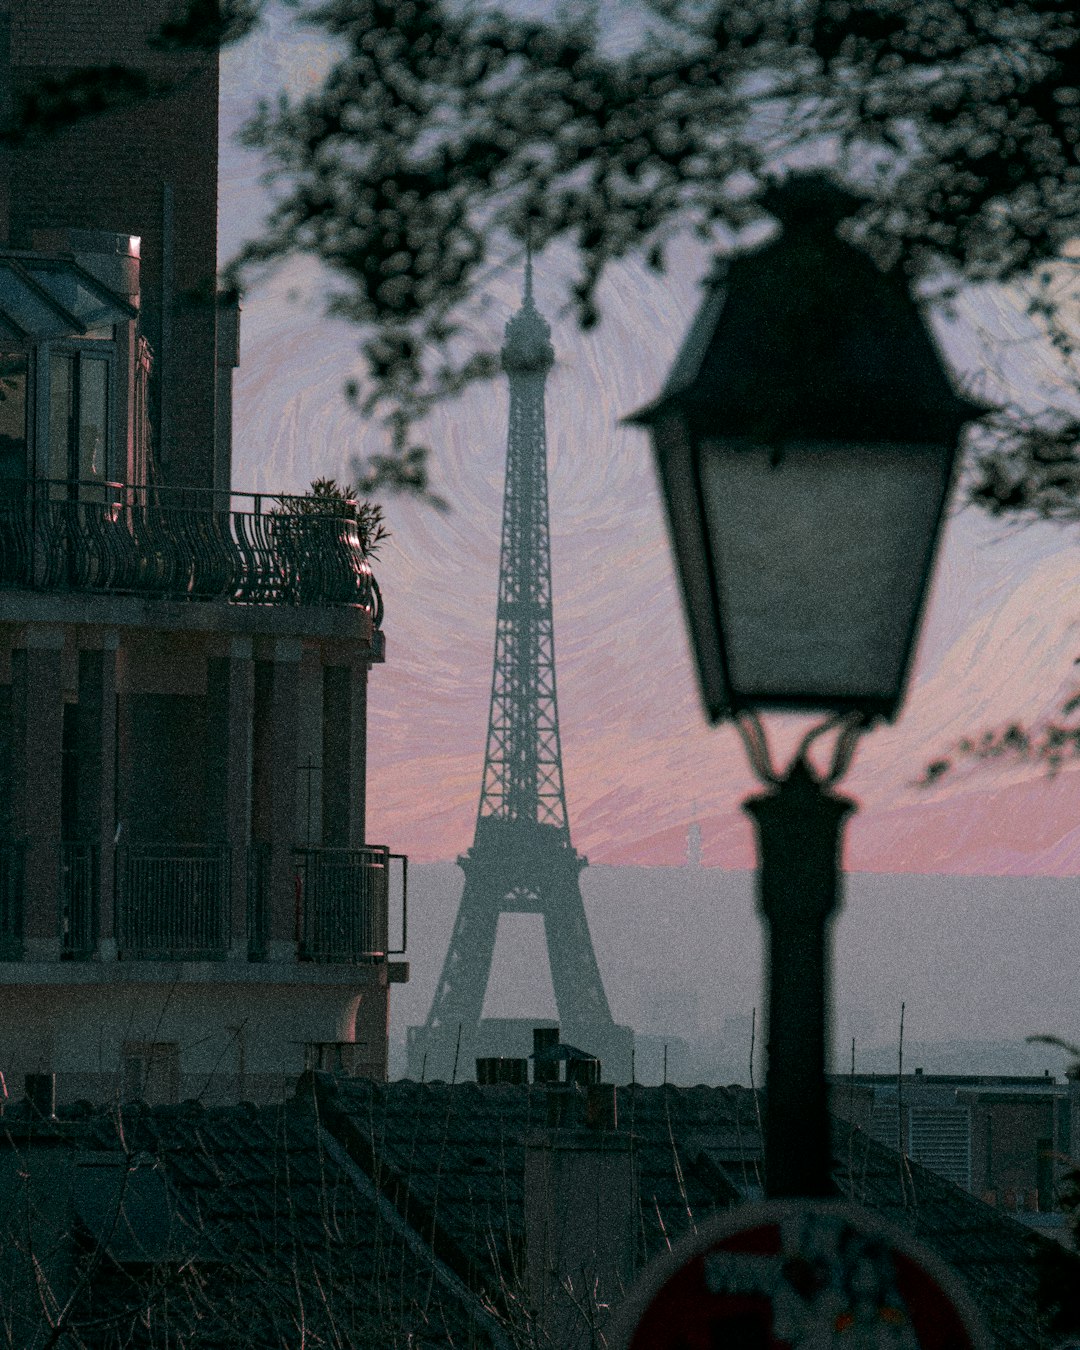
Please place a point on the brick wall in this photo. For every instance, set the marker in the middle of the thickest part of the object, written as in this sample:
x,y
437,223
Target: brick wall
x,y
87,32
150,170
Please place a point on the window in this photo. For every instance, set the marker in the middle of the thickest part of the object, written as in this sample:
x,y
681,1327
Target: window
x,y
79,417
332,1056
13,372
150,1072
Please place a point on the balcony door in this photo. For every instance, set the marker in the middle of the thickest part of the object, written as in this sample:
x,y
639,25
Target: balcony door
x,y
14,367
79,450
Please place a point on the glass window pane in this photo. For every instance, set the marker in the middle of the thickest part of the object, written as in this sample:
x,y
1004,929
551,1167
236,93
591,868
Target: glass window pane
x,y
13,367
93,414
61,414
89,306
29,310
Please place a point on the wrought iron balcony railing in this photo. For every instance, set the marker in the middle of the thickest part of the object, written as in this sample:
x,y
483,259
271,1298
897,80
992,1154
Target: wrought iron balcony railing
x,y
173,902
182,544
342,903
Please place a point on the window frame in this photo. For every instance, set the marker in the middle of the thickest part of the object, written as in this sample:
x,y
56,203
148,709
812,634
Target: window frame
x,y
30,351
79,349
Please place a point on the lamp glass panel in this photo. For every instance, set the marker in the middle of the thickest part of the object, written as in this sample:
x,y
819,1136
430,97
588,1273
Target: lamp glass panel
x,y
820,552
675,465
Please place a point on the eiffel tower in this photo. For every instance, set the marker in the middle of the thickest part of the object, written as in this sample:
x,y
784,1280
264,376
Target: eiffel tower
x,y
522,860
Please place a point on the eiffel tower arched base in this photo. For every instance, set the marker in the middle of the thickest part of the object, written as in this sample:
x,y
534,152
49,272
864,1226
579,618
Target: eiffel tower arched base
x,y
518,867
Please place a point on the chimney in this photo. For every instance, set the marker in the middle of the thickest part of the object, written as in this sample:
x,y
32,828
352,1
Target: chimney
x,y
581,1220
584,1072
495,1069
545,1040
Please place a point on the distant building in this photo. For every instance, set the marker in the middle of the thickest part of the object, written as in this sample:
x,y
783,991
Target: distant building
x,y
661,1059
188,901
693,845
1005,1139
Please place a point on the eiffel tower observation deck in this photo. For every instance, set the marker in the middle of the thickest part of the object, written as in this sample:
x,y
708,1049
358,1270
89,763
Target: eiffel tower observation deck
x,y
522,860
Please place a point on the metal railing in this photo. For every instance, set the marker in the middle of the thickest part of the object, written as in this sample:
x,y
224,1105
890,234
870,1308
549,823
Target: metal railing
x,y
172,901
11,901
342,903
182,544
80,884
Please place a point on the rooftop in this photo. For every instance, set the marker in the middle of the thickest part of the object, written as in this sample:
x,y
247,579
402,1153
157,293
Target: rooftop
x,y
403,1202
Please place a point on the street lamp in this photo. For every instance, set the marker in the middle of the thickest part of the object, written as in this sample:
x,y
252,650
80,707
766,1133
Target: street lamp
x,y
805,442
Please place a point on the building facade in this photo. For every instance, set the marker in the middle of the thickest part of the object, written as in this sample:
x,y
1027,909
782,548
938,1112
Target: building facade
x,y
1010,1140
189,905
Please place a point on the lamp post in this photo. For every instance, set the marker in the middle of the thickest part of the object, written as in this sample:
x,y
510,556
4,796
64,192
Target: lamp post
x,y
805,443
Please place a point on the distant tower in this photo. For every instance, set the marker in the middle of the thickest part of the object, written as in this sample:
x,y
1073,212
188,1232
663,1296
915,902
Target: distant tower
x,y
693,845
522,860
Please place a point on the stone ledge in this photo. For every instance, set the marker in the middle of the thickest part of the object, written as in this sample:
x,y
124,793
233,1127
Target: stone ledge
x,y
74,973
60,608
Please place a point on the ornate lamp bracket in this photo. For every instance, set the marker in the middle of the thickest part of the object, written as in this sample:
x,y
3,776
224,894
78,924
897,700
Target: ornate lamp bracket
x,y
849,728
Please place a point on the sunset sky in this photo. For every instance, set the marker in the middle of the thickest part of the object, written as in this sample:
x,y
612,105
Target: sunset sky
x,y
1002,629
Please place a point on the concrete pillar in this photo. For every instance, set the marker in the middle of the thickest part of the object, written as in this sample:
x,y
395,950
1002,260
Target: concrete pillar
x,y
37,680
262,751
281,805
97,708
581,1222
358,757
309,766
344,755
336,755
370,1029
124,832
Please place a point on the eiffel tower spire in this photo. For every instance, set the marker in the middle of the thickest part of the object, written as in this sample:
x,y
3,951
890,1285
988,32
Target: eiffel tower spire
x,y
523,777
522,859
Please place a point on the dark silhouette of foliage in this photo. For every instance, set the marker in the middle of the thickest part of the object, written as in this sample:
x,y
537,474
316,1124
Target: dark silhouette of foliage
x,y
58,102
208,25
445,131
328,497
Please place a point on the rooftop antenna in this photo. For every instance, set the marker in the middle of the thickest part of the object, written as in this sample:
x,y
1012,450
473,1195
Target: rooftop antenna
x,y
528,264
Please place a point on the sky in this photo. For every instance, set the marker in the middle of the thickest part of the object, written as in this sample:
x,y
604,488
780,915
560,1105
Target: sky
x,y
999,642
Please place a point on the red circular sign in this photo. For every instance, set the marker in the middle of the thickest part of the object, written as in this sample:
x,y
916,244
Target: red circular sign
x,y
797,1275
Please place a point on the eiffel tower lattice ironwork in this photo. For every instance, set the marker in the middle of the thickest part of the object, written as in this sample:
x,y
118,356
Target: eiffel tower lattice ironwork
x,y
522,860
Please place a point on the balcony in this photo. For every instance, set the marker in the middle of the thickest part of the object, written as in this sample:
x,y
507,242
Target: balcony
x,y
185,544
173,902
342,898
